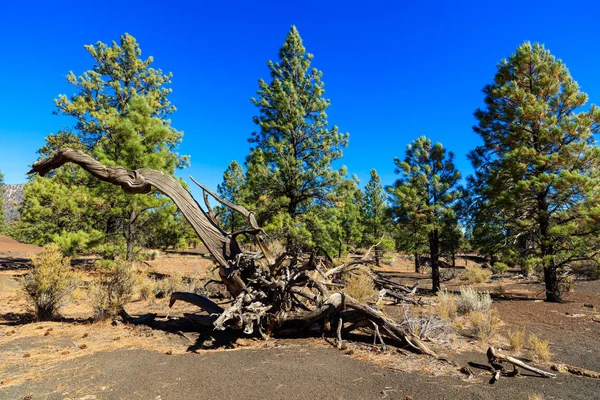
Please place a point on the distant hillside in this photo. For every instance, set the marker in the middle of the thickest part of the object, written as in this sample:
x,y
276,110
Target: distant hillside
x,y
13,197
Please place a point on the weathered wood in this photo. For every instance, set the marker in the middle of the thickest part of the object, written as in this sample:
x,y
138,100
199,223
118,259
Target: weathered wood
x,y
264,289
495,356
204,303
560,367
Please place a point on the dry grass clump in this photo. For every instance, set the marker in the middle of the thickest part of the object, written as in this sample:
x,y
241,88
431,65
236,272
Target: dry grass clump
x,y
146,288
170,284
484,326
50,282
360,286
470,300
516,339
474,274
540,348
446,306
424,325
113,289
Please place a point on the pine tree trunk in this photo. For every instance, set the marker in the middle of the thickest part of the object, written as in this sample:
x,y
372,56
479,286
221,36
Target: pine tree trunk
x,y
551,281
130,235
435,254
550,278
417,265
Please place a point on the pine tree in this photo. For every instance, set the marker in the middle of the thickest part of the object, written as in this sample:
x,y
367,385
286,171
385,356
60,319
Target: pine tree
x,y
121,111
289,167
348,207
2,214
427,192
373,209
231,189
451,238
538,167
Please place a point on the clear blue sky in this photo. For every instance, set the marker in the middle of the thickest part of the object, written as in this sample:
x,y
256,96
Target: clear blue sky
x,y
392,70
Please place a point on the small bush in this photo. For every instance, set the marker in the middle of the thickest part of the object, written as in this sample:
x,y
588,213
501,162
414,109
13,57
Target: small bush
x,y
499,268
147,255
113,289
146,288
446,307
50,282
484,326
360,287
471,300
540,348
72,243
171,283
424,326
516,339
476,274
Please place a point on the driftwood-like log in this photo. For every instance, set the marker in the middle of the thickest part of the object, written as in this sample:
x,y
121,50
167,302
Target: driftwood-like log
x,y
204,303
494,357
289,294
575,370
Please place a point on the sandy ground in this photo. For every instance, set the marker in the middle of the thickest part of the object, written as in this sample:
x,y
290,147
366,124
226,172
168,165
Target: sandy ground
x,y
76,359
280,373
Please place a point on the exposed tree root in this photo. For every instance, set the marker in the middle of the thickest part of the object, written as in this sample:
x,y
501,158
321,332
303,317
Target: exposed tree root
x,y
285,295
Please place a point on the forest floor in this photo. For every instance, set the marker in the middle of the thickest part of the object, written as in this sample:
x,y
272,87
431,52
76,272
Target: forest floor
x,y
76,359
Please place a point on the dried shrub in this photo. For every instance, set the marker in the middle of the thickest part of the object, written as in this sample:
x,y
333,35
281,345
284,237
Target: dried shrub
x,y
484,326
540,348
50,282
113,289
170,284
360,286
146,288
446,306
475,274
424,326
516,339
471,300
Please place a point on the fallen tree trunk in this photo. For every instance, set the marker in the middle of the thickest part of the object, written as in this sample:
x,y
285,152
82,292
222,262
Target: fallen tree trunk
x,y
494,357
288,294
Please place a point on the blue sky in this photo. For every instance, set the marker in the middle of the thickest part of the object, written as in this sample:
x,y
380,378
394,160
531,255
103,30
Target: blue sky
x,y
392,70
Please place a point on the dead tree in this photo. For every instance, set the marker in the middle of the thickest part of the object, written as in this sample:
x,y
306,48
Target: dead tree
x,y
290,294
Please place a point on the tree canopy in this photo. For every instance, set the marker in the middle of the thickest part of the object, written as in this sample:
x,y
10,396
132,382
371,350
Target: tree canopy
x,y
538,167
120,110
427,192
290,164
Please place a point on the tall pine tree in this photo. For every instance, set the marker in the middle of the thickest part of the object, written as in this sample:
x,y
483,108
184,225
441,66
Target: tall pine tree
x,y
538,166
231,189
121,111
373,209
289,167
427,192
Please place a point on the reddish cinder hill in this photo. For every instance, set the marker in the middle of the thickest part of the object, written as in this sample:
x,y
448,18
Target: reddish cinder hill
x,y
9,245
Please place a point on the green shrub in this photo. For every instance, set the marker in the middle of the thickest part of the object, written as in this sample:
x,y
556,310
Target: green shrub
x,y
499,268
471,300
72,243
50,282
113,288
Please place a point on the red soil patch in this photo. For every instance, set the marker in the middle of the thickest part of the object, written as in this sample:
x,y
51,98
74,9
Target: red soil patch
x,y
9,245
